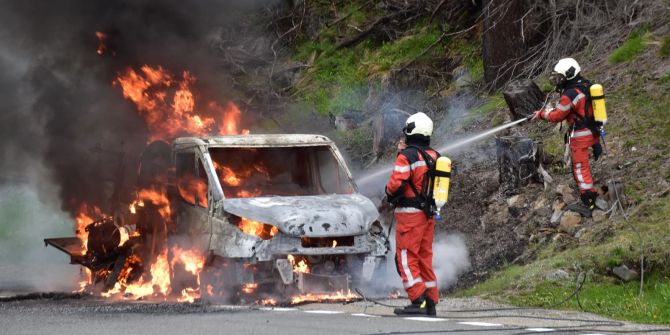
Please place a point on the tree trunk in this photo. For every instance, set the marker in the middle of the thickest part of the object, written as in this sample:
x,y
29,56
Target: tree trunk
x,y
519,158
523,97
503,42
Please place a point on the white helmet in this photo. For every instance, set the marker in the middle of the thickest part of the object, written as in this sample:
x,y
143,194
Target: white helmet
x,y
568,67
418,124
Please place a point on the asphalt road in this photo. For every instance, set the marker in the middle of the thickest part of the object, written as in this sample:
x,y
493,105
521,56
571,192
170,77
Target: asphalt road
x,y
93,316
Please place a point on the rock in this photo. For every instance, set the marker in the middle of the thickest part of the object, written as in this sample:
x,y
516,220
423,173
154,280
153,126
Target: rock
x,y
566,193
462,77
602,203
349,120
570,221
599,216
514,201
624,273
556,217
557,275
580,233
539,204
558,205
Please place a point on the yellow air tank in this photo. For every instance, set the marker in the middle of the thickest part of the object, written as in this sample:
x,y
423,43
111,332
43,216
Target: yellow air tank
x,y
441,185
598,101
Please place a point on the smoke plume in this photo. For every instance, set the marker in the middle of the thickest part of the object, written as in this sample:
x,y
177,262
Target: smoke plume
x,y
66,133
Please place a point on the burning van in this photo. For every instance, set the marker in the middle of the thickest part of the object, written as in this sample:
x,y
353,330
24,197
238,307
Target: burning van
x,y
270,215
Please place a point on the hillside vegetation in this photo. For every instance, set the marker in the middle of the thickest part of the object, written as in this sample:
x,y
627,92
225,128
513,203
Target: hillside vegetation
x,y
359,59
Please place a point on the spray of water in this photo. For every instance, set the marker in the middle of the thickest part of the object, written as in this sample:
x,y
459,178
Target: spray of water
x,y
445,149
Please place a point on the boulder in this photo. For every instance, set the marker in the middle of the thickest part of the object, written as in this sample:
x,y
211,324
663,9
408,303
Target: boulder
x,y
570,221
462,77
557,275
599,216
515,201
556,217
566,193
539,204
624,273
558,205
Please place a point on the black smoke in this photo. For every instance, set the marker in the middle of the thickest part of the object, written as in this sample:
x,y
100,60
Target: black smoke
x,y
60,111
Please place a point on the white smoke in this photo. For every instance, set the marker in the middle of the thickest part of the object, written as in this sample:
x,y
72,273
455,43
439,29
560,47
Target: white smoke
x,y
450,259
25,264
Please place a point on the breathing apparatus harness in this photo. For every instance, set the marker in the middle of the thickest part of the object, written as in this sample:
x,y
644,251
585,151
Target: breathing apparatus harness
x,y
587,121
423,199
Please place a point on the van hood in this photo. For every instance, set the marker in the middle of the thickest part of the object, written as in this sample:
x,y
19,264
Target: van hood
x,y
313,216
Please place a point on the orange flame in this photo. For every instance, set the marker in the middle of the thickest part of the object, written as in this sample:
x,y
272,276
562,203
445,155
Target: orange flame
x,y
170,108
249,288
256,228
157,198
298,266
338,296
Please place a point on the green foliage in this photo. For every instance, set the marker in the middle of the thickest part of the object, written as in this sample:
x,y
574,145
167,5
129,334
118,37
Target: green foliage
x,y
492,104
665,47
631,48
393,54
358,141
338,79
471,53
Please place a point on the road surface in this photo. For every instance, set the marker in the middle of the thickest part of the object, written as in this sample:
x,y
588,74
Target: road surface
x,y
70,315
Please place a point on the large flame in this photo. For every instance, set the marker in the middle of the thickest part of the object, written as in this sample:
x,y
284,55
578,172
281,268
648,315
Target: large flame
x,y
170,108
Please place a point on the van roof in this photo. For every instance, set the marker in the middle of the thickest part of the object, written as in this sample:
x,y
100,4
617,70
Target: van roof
x,y
255,140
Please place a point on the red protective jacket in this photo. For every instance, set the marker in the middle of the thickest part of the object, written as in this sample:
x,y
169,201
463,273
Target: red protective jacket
x,y
410,166
572,107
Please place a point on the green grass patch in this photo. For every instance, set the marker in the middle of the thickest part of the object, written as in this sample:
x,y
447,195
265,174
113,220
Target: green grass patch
x,y
631,48
394,54
493,103
665,47
598,251
619,301
470,52
338,79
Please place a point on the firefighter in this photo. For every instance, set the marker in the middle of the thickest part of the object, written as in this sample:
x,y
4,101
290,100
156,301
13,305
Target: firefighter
x,y
415,225
575,107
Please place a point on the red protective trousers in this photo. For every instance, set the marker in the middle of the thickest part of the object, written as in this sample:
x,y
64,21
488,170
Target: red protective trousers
x,y
414,254
571,107
579,149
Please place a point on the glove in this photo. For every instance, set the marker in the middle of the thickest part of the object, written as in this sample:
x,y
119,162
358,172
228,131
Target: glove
x,y
597,150
536,115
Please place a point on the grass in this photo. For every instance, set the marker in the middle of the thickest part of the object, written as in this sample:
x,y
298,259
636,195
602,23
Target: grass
x,y
664,51
601,294
631,48
619,301
338,79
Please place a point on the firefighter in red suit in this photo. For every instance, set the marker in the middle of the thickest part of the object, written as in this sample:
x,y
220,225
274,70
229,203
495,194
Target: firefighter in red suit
x,y
575,107
414,228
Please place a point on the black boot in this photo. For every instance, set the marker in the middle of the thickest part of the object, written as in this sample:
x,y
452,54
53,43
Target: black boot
x,y
587,204
589,199
430,307
417,307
